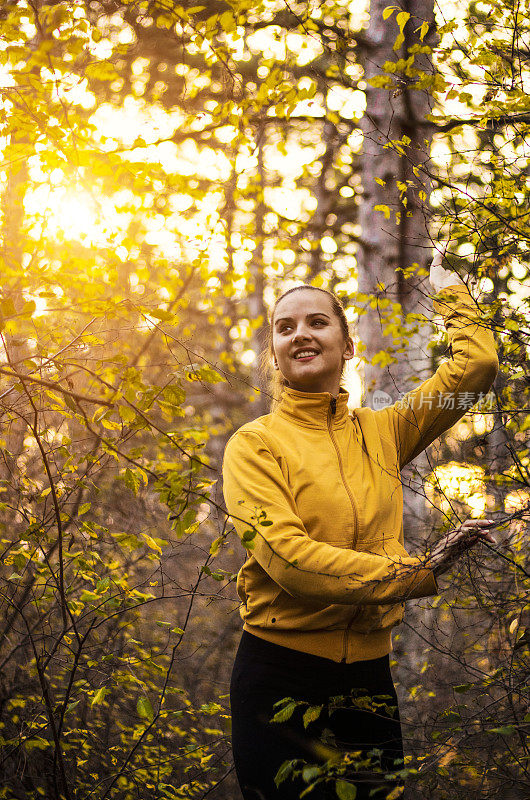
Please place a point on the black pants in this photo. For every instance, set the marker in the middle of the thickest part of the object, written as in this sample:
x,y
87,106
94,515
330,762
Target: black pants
x,y
265,673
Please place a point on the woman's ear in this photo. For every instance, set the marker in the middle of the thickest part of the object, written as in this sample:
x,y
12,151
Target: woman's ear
x,y
349,349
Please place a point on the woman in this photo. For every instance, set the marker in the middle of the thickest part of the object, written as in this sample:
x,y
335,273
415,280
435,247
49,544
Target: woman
x,y
315,495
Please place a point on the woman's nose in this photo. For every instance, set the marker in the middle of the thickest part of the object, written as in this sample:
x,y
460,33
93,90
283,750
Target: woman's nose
x,y
300,334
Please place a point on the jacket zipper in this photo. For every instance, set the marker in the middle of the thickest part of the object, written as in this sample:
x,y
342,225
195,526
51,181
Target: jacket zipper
x,y
332,410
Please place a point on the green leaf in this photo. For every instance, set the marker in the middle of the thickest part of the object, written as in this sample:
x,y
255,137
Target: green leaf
x,y
144,708
285,770
310,773
162,314
345,790
209,375
37,743
89,597
99,696
127,414
504,730
311,714
215,545
102,585
131,479
152,543
286,712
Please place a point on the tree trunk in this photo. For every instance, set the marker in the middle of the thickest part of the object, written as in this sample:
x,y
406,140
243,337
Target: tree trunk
x,y
396,239
400,240
256,300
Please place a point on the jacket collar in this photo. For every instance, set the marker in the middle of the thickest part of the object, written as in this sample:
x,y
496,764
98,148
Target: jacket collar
x,y
313,409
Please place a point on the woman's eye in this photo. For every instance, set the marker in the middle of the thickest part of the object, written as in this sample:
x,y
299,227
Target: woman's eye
x,y
319,322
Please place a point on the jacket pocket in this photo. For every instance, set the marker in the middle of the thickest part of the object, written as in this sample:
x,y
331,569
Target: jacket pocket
x,y
286,612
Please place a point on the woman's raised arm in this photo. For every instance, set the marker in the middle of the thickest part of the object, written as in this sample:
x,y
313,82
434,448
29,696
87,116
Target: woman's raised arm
x,y
423,414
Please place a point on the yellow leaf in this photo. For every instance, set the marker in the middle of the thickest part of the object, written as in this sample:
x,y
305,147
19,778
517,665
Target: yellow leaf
x,y
384,209
151,542
400,38
99,696
423,30
402,18
216,544
127,414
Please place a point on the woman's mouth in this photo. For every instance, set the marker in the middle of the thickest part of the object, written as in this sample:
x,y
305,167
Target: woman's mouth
x,y
305,355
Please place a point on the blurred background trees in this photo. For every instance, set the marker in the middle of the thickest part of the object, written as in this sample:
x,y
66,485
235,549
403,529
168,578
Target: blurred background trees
x,y
166,170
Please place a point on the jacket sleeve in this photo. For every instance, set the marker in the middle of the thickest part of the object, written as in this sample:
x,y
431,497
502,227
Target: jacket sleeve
x,y
460,382
258,499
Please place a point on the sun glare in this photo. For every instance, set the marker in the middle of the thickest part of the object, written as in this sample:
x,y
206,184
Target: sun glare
x,y
73,215
461,482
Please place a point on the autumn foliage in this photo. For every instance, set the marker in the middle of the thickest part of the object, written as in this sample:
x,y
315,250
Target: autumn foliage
x,y
165,170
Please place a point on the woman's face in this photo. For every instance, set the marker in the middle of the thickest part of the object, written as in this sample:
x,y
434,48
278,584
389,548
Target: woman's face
x,y
308,342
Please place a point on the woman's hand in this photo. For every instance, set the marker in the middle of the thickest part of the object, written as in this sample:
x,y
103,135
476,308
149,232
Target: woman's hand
x,y
457,541
439,277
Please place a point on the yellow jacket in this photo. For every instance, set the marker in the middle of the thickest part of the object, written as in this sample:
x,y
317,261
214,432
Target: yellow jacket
x,y
315,494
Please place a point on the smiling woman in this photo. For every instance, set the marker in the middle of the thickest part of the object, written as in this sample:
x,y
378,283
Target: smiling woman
x,y
310,340
316,497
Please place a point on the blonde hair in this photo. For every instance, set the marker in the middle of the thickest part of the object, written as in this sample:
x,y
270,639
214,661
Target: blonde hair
x,y
273,378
